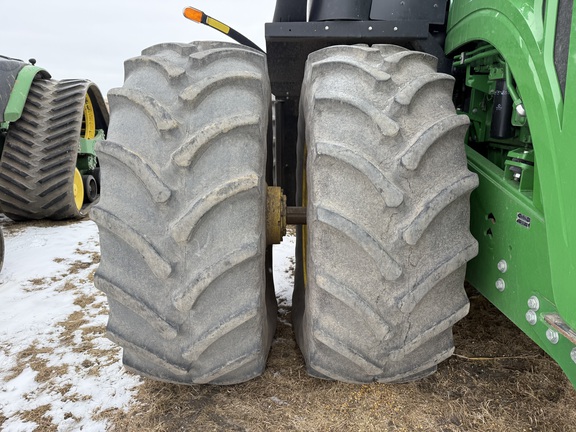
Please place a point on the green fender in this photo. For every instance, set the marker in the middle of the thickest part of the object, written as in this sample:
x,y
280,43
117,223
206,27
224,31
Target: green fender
x,y
525,39
20,91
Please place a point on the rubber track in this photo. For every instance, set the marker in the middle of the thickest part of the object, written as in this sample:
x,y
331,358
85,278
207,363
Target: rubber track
x,y
181,217
40,151
388,215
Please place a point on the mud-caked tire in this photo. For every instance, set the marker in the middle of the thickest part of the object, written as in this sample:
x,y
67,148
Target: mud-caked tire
x,y
182,214
38,178
381,262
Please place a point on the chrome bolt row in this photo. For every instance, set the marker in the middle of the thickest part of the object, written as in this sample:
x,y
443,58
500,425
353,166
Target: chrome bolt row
x,y
534,305
552,336
500,283
531,317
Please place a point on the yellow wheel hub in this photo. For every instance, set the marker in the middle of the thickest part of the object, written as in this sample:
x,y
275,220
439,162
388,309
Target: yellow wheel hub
x,y
88,120
78,189
275,215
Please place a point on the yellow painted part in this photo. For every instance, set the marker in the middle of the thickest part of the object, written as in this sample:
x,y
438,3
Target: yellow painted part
x,y
217,25
78,189
275,215
88,120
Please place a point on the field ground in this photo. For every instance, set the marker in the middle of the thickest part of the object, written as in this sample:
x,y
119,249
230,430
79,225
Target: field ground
x,y
498,380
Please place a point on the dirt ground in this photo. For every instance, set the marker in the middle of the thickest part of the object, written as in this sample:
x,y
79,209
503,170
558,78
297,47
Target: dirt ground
x,y
498,380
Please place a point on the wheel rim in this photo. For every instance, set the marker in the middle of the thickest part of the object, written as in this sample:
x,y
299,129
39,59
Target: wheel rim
x,y
88,120
78,189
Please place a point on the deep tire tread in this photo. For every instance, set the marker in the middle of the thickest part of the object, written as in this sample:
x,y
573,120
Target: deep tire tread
x,y
382,119
185,158
185,298
185,224
121,229
437,203
153,109
165,68
196,93
389,268
355,301
164,328
186,155
193,351
391,194
386,125
151,358
157,189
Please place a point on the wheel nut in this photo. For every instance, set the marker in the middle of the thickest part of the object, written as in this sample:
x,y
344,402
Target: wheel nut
x,y
500,285
502,266
552,336
531,317
534,303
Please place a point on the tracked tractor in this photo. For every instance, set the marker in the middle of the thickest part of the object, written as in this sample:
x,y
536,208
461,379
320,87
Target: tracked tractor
x,y
48,130
415,144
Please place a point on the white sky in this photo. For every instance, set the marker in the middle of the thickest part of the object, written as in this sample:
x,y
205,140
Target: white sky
x,y
91,39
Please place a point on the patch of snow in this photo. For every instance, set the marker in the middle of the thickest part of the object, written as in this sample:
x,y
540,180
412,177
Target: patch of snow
x,y
38,287
46,270
283,266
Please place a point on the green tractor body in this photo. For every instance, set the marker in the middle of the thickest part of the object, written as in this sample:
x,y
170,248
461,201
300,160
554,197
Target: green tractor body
x,y
48,130
522,213
18,77
418,143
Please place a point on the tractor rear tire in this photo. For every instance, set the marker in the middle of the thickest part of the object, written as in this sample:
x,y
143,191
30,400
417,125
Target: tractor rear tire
x,y
381,262
38,177
182,214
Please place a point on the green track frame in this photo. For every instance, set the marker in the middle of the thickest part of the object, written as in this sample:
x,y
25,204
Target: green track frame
x,y
20,92
527,235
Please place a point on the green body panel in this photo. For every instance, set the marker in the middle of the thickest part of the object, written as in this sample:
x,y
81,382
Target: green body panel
x,y
87,160
541,258
20,93
505,236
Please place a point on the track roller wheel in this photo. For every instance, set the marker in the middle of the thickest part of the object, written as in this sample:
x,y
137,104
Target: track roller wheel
x,y
90,188
78,189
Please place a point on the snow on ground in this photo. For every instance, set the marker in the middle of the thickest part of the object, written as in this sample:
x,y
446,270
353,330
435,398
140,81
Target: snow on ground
x,y
283,266
57,368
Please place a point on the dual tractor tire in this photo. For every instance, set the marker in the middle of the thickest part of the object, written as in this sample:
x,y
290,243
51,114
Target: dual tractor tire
x,y
380,265
182,214
381,261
